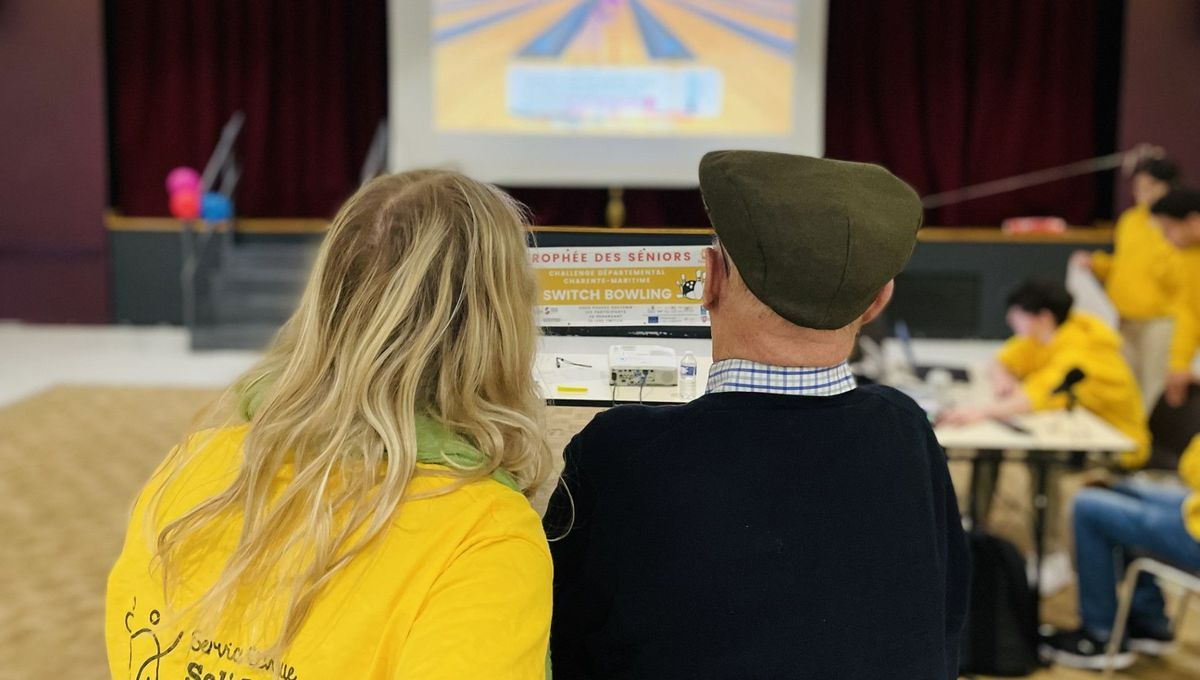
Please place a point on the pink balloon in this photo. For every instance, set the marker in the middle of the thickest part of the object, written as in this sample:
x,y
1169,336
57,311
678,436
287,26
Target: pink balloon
x,y
182,179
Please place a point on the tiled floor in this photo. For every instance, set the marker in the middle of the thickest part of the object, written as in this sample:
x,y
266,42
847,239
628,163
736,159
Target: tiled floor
x,y
34,358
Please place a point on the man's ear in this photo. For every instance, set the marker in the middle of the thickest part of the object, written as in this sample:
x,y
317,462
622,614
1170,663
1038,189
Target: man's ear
x,y
882,298
714,278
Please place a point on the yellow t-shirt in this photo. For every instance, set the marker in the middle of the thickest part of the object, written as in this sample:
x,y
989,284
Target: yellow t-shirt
x,y
459,586
1189,472
1109,389
1187,313
1142,275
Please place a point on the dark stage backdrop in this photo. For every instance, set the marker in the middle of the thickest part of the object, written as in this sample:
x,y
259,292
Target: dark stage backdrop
x,y
944,92
1162,42
949,93
310,74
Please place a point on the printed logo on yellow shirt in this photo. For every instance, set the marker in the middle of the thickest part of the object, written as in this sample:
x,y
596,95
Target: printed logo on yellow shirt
x,y
226,653
146,654
145,648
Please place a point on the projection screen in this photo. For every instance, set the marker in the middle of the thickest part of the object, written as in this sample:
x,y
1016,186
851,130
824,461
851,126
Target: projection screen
x,y
601,92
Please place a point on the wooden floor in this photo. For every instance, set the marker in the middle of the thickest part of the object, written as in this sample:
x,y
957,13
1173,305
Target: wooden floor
x,y
72,457
1182,663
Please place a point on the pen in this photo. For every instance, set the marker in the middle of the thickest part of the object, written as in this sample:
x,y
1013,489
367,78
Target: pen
x,y
1013,426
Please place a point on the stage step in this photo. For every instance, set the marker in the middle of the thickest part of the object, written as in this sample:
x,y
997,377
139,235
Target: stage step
x,y
250,294
293,257
248,336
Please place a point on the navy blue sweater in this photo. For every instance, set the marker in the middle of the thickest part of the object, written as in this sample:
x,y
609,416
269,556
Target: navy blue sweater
x,y
758,536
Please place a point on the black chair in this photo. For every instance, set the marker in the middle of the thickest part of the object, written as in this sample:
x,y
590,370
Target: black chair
x,y
1172,429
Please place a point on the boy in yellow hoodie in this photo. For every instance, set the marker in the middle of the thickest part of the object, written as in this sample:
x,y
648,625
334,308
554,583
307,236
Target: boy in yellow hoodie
x,y
1179,215
1141,277
1050,341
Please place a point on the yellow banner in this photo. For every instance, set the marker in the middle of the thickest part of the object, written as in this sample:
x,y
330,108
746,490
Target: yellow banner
x,y
637,286
650,285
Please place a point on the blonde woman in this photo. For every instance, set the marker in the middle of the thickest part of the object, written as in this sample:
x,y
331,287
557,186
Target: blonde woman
x,y
363,514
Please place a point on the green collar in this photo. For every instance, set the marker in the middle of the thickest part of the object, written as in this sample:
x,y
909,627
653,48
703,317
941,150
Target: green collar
x,y
436,444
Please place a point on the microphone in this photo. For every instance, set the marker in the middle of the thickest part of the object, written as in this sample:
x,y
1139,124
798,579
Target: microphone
x,y
1073,378
1067,386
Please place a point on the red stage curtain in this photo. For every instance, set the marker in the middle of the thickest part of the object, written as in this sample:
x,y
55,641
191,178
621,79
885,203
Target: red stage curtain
x,y
311,76
948,93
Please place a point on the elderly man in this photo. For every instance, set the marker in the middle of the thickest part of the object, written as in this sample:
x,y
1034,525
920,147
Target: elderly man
x,y
788,523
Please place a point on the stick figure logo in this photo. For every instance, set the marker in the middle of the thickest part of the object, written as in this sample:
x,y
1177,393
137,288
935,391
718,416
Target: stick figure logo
x,y
145,646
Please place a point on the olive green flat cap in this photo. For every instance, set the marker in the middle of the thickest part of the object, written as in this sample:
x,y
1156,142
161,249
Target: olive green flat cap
x,y
814,239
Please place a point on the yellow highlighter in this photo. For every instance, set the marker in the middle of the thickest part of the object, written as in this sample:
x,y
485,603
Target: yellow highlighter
x,y
573,389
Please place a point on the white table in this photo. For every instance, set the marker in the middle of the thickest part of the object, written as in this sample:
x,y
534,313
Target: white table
x,y
573,370
1079,431
561,382
1072,439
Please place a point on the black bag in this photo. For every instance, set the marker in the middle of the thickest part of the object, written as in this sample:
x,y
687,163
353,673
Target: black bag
x,y
1000,636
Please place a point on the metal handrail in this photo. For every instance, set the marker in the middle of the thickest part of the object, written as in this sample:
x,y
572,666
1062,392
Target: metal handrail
x,y
222,166
375,163
223,152
1125,159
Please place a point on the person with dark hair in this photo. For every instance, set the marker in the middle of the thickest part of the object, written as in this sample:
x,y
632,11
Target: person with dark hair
x,y
1141,277
1050,341
1033,297
1149,177
1178,213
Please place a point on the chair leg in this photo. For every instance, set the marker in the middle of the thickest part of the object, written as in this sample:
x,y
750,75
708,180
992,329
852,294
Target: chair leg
x,y
1124,604
1181,610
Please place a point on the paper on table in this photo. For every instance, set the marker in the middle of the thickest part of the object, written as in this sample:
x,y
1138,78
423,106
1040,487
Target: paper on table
x,y
1089,296
572,368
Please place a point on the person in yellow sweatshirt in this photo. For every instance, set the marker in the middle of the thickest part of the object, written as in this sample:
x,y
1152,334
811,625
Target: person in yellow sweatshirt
x,y
1141,277
1179,215
1111,527
362,511
1050,341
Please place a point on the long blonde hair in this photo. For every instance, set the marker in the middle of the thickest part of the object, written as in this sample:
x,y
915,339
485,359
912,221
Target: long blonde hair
x,y
420,303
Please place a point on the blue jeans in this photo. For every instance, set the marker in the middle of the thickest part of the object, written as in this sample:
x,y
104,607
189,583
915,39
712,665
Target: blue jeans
x,y
1113,526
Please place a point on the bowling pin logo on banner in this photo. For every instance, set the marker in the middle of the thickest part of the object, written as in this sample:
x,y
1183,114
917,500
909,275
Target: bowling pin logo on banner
x,y
622,286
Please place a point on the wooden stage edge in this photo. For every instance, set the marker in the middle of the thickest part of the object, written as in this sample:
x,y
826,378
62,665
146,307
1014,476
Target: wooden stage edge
x,y
1099,235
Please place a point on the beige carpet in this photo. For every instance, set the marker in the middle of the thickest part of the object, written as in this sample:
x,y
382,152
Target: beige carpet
x,y
71,459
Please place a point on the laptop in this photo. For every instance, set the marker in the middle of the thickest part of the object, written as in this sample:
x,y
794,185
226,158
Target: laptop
x,y
902,335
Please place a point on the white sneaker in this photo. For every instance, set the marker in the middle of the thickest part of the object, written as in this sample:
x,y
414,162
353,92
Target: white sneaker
x,y
1057,573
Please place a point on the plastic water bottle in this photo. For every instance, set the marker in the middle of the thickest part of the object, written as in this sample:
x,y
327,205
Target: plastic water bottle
x,y
941,385
687,376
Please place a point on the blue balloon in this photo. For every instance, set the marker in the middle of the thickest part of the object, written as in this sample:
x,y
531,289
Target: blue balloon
x,y
215,207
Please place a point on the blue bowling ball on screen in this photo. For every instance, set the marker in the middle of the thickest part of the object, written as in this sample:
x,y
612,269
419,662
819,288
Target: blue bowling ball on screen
x,y
216,207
